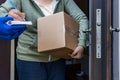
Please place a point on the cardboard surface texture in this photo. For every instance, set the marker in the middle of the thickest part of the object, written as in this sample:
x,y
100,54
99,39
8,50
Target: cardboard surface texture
x,y
57,34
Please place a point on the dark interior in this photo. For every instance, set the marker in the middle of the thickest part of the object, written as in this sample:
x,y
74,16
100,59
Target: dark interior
x,y
78,69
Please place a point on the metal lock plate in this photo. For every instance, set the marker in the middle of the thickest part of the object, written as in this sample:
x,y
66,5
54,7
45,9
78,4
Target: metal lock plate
x,y
98,33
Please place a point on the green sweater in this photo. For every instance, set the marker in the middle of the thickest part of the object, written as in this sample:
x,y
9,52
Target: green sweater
x,y
27,41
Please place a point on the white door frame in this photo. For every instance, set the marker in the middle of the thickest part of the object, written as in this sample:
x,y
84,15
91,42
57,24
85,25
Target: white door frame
x,y
119,39
116,40
12,61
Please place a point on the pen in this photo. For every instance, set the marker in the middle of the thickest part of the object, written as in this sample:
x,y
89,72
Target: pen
x,y
17,22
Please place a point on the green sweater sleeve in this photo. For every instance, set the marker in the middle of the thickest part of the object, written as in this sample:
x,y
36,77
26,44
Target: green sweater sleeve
x,y
77,14
7,6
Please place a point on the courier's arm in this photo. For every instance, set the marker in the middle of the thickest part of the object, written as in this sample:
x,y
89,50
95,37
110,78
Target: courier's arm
x,y
8,32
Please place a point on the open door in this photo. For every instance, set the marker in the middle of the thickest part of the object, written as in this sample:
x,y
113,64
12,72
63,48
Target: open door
x,y
100,40
4,60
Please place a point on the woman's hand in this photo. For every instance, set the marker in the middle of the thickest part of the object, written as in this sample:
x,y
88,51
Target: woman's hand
x,y
78,52
16,14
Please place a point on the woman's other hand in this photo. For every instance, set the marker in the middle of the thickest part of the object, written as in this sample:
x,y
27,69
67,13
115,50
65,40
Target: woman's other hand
x,y
78,52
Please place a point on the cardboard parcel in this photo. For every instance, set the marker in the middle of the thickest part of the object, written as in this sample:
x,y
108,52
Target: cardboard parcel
x,y
57,34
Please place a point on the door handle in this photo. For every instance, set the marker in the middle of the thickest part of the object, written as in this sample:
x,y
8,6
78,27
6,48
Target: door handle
x,y
87,30
114,29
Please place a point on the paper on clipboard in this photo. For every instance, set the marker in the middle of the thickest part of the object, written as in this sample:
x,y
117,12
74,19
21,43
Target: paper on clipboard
x,y
19,22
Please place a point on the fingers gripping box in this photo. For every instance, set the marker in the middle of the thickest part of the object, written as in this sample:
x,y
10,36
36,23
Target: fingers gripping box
x,y
57,34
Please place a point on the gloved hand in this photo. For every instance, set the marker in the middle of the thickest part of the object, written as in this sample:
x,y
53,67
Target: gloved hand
x,y
9,32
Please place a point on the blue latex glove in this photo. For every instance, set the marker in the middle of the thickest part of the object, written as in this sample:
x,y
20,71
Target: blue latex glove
x,y
8,32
